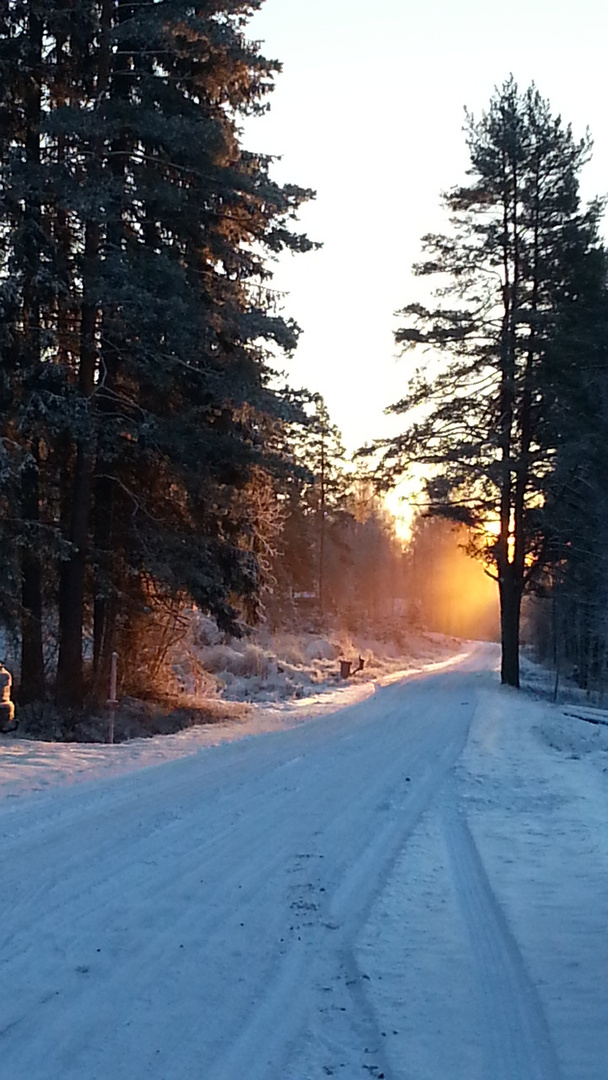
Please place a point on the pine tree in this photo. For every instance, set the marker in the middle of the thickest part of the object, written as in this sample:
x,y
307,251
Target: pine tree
x,y
476,415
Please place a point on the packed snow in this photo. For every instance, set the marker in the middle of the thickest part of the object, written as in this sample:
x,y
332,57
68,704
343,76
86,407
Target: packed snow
x,y
405,880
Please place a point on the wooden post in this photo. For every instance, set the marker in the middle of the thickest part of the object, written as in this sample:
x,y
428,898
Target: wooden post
x,y
112,702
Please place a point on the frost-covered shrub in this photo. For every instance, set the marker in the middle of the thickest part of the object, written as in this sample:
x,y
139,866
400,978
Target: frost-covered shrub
x,y
320,649
244,663
255,662
204,631
290,649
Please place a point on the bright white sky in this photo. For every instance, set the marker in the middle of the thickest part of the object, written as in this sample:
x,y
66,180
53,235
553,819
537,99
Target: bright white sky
x,y
368,111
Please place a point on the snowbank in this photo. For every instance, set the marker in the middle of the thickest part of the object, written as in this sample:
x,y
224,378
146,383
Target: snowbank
x,y
287,666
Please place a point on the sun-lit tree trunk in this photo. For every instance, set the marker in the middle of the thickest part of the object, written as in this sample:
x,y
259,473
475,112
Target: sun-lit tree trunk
x,y
509,584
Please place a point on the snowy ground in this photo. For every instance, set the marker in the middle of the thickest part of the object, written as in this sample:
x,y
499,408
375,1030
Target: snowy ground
x,y
257,702
287,666
412,885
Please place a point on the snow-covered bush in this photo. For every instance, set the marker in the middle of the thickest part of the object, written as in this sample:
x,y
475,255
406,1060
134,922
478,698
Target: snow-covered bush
x,y
245,662
290,648
321,649
204,630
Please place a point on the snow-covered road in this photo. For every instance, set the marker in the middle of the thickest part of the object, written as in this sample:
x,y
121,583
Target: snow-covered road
x,y
414,887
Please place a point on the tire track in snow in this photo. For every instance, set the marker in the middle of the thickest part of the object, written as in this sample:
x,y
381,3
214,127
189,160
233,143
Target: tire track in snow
x,y
141,821
251,850
347,1026
518,1044
366,880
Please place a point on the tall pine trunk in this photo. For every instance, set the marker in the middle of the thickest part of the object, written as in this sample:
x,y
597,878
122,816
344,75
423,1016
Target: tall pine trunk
x,y
32,657
69,690
105,609
32,686
509,577
104,606
510,610
72,589
69,687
